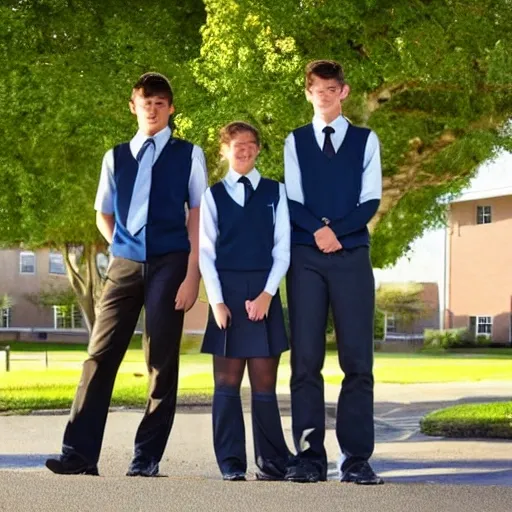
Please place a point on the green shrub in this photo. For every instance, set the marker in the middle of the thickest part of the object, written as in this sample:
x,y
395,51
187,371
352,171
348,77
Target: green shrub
x,y
483,340
378,324
445,339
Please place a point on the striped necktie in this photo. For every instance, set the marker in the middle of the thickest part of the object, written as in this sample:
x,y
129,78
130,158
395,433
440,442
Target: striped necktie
x,y
138,212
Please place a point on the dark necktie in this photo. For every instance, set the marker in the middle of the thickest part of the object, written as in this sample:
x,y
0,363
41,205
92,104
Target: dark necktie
x,y
145,146
328,148
247,188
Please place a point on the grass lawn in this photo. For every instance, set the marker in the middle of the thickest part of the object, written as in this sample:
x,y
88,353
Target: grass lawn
x,y
445,367
473,420
45,376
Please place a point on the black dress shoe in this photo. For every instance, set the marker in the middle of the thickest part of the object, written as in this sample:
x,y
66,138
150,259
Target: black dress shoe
x,y
71,465
361,473
271,470
305,471
143,467
234,476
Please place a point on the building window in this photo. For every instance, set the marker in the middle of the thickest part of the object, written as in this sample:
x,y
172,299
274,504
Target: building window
x,y
480,325
67,317
390,323
57,263
5,317
483,215
27,263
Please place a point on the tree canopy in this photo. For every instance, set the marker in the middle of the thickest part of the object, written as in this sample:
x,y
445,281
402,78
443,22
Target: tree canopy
x,y
432,78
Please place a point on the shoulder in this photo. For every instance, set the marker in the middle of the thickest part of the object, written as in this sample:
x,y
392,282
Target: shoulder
x,y
307,128
270,185
122,146
120,151
197,151
216,188
181,143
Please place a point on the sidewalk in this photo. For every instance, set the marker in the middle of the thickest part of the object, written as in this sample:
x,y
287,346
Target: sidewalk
x,y
469,474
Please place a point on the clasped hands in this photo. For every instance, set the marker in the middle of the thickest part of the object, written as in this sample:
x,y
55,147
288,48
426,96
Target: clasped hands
x,y
326,240
256,309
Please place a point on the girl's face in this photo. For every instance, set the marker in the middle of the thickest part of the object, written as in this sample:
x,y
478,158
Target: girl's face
x,y
241,152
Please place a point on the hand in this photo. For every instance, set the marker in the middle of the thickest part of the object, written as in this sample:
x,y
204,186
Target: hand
x,y
326,240
187,294
257,309
222,315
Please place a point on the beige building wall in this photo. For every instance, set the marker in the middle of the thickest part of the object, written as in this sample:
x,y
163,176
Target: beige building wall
x,y
480,270
25,314
19,286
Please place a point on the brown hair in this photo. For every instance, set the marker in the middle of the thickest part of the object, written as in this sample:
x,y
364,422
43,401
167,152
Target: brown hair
x,y
325,69
228,132
154,84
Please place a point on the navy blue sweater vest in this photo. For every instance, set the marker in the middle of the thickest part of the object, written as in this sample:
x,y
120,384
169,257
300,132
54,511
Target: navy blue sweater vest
x,y
166,230
246,233
331,186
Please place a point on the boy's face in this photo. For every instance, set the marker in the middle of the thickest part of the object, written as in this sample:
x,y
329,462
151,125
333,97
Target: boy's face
x,y
241,152
326,95
152,112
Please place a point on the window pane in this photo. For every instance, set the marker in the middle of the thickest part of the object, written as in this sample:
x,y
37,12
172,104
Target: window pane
x,y
77,318
57,263
27,263
5,317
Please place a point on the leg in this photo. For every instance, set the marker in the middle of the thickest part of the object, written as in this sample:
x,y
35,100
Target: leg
x,y
308,307
270,450
162,336
119,309
228,419
352,290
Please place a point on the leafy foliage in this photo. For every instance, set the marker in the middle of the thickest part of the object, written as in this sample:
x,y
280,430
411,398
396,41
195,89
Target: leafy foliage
x,y
432,78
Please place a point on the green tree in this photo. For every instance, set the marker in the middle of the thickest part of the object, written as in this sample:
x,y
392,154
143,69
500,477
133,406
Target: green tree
x,y
433,78
403,301
68,67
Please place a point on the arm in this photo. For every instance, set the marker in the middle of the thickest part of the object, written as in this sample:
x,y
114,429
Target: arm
x,y
207,252
281,249
105,223
189,289
104,203
299,214
258,308
371,192
207,256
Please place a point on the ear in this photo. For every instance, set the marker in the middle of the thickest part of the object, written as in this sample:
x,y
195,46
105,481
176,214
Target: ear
x,y
307,92
171,110
132,107
345,91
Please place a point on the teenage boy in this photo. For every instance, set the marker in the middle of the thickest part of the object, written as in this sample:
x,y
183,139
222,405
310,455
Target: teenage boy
x,y
333,182
144,191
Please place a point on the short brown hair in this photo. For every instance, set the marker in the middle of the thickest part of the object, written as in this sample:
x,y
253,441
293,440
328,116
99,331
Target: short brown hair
x,y
154,84
229,131
325,69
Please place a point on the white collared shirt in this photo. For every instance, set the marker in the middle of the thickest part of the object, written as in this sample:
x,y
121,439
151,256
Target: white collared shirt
x,y
208,233
372,175
197,184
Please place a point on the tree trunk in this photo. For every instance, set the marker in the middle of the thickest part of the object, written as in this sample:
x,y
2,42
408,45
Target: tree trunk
x,y
85,279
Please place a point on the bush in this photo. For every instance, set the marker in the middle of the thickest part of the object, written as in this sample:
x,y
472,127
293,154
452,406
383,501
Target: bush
x,y
449,338
482,340
378,325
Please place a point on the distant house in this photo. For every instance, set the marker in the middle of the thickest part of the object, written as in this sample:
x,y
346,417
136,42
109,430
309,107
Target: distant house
x,y
479,264
470,260
25,274
396,326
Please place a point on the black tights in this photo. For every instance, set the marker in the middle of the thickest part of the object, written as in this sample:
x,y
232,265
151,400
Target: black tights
x,y
229,372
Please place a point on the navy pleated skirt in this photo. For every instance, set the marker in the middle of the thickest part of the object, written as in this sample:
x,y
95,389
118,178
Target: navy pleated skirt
x,y
244,337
